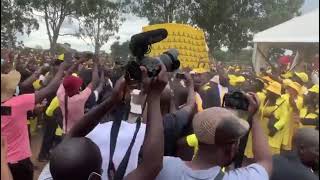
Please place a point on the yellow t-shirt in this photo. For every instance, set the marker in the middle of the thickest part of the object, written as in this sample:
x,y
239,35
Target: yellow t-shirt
x,y
292,125
54,104
265,110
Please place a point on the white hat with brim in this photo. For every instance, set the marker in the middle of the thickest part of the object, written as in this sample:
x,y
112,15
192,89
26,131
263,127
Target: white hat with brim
x,y
9,84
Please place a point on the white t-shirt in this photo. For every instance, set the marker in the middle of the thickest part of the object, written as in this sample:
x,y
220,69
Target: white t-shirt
x,y
101,136
176,169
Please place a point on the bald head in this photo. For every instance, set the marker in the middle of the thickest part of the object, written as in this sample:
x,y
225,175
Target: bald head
x,y
306,144
307,137
75,158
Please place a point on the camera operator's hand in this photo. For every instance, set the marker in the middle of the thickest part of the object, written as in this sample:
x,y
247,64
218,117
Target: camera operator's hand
x,y
253,103
119,90
154,86
189,80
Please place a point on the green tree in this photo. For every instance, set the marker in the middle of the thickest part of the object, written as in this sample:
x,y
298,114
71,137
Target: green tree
x,y
16,17
99,20
54,14
275,12
227,23
162,11
120,52
232,23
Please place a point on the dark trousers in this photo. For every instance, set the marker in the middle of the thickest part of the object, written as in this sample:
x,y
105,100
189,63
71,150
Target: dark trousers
x,y
23,170
48,137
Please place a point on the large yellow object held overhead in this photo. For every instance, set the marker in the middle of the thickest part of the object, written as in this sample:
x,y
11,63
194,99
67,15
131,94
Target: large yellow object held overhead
x,y
189,41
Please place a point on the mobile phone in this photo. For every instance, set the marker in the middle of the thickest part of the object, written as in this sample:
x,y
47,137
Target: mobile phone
x,y
180,76
5,111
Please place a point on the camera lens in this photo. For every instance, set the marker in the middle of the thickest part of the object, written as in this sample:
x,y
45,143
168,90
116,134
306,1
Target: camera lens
x,y
170,59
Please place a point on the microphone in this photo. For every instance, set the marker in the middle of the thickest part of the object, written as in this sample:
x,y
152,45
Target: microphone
x,y
143,40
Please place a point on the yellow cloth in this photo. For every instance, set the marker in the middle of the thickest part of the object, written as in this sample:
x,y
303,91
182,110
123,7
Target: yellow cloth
x,y
292,125
234,80
200,70
192,141
304,114
36,84
315,89
198,102
303,76
264,124
33,125
282,114
61,57
59,131
287,75
54,104
303,90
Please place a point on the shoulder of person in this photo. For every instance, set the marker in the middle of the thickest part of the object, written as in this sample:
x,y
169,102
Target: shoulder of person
x,y
21,99
171,161
251,172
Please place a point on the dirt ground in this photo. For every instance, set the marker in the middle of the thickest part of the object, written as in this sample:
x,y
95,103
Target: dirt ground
x,y
36,141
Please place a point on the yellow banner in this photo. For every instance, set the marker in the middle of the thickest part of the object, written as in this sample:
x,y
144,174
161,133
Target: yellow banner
x,y
189,41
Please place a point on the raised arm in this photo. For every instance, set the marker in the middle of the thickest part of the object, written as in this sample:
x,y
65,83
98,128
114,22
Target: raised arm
x,y
153,146
90,120
261,152
95,74
191,101
28,82
52,87
102,82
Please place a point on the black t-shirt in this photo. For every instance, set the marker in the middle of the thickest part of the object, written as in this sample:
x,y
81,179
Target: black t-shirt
x,y
91,102
175,127
290,167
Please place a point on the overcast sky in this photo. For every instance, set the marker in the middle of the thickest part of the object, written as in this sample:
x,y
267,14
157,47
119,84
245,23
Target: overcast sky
x,y
131,26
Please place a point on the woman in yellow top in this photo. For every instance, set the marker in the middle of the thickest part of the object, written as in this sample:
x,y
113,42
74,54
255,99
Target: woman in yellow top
x,y
271,106
309,115
301,78
294,107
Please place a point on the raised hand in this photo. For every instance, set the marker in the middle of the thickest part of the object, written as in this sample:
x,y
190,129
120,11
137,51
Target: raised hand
x,y
253,103
154,85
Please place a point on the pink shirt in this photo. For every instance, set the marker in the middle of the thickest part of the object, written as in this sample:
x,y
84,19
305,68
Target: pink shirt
x,y
76,105
15,129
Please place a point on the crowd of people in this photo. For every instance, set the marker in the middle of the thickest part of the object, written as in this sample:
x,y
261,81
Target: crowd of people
x,y
99,125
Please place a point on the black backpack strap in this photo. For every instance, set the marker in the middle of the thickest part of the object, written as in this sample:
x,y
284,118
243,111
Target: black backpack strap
x,y
220,175
113,140
124,163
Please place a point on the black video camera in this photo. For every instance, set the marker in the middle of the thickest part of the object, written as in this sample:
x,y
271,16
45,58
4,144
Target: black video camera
x,y
140,45
235,100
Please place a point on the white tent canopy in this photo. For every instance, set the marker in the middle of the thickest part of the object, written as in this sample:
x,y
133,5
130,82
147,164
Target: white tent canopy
x,y
299,31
